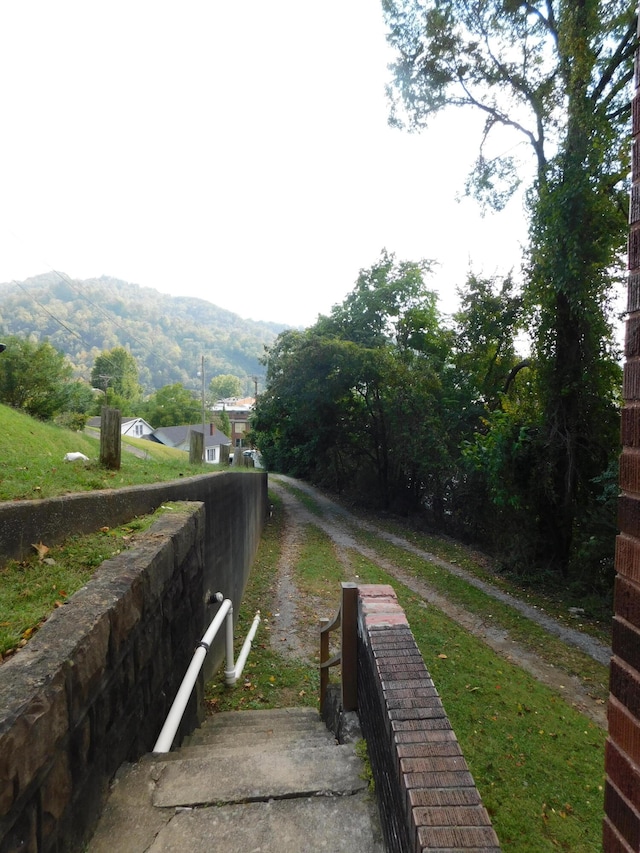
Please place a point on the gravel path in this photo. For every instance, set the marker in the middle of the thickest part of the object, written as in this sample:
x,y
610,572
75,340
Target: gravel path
x,y
296,638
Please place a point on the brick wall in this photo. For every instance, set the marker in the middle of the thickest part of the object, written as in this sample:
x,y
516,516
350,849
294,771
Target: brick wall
x,y
428,799
621,830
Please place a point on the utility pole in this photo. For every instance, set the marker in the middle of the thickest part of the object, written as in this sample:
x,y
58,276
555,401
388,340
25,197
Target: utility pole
x,y
204,434
105,379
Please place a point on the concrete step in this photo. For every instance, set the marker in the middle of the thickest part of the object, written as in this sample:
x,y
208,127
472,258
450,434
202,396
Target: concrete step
x,y
258,736
220,729
238,751
315,825
267,781
222,778
262,717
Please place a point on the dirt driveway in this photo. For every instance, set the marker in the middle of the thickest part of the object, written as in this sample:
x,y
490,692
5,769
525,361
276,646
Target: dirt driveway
x,y
295,637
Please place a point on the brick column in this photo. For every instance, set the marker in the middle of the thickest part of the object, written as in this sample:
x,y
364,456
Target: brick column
x,y
621,829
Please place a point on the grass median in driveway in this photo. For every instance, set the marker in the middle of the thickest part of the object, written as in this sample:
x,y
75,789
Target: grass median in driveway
x,y
496,613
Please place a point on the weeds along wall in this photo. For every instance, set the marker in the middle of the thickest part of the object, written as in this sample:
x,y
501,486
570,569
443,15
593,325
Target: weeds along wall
x,y
93,686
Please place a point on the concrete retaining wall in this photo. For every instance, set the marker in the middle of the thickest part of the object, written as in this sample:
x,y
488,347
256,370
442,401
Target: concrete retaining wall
x,y
93,686
427,797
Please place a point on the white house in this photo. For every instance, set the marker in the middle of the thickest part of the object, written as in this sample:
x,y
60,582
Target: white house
x,y
131,427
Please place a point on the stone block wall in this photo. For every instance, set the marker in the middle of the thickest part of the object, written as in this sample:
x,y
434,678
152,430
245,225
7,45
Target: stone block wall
x,y
621,829
93,686
236,506
428,799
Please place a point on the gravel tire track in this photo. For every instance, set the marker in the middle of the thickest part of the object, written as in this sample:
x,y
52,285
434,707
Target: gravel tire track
x,y
289,637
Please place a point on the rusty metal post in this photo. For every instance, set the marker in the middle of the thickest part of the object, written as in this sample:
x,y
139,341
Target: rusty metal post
x,y
349,648
324,656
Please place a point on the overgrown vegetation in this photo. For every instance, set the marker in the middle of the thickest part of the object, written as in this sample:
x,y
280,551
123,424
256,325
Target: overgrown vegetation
x,y
386,401
390,406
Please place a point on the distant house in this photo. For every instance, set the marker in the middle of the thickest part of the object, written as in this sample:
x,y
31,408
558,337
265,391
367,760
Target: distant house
x,y
239,411
180,438
131,427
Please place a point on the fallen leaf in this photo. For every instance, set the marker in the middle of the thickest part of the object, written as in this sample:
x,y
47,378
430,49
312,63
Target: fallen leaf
x,y
41,550
443,657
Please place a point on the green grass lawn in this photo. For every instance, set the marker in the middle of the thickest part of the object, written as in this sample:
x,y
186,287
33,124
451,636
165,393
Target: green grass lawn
x,y
34,465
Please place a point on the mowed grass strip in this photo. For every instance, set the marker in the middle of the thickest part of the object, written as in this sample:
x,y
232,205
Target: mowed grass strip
x,y
269,679
537,762
522,630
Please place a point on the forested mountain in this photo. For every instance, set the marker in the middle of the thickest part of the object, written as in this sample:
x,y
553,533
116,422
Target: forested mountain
x,y
167,335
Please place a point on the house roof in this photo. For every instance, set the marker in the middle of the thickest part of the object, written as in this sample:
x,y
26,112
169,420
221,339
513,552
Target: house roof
x,y
95,421
175,435
234,404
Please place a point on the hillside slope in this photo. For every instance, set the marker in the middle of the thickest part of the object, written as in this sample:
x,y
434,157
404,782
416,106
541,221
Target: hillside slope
x,y
167,335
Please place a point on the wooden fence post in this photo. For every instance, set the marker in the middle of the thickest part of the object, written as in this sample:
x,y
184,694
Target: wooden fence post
x,y
110,438
196,442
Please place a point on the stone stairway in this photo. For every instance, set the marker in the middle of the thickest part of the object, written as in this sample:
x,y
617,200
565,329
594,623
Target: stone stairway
x,y
245,782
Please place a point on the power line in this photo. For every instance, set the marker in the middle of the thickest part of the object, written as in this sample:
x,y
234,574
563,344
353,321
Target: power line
x,y
109,317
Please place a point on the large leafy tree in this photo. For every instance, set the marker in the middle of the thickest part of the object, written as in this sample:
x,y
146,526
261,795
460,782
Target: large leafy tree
x,y
115,372
34,377
172,405
556,74
225,385
356,401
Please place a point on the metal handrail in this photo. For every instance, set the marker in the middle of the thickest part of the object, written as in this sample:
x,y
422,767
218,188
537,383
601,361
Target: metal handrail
x,y
346,619
231,674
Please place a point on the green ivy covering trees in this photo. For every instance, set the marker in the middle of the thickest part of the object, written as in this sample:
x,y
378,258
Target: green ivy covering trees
x,y
555,74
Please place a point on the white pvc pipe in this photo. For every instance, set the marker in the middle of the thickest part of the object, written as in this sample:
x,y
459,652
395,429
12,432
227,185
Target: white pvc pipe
x,y
168,733
229,673
246,648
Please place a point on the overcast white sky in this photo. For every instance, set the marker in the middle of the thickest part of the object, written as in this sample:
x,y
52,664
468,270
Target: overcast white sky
x,y
238,152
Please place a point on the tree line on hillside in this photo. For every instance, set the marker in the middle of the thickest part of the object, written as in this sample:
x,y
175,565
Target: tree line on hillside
x,y
386,403
166,335
38,379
